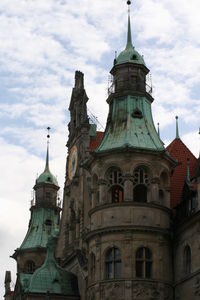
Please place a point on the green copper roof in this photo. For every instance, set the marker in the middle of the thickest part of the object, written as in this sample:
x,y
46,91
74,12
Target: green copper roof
x,y
131,126
44,222
47,176
50,277
129,54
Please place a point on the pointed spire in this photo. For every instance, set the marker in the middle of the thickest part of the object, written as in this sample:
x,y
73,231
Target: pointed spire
x,y
177,131
158,129
129,36
188,170
47,156
199,136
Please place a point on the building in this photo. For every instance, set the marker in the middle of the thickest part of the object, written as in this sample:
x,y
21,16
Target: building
x,y
130,215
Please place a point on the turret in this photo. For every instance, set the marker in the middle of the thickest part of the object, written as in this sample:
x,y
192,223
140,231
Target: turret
x,y
46,186
44,221
129,70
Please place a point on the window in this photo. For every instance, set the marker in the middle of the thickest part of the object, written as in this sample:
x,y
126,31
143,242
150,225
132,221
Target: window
x,y
187,260
92,265
116,185
141,181
117,194
29,267
113,263
143,263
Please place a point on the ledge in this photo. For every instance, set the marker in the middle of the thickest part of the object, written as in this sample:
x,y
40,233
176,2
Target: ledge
x,y
130,203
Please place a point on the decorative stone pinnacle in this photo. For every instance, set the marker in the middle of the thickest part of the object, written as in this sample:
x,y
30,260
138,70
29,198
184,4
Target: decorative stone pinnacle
x,y
158,129
177,130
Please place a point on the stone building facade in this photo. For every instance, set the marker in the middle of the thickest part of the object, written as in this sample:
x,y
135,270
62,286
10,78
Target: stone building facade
x,y
130,217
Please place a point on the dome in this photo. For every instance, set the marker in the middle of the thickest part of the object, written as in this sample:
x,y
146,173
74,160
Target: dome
x,y
129,55
51,278
47,177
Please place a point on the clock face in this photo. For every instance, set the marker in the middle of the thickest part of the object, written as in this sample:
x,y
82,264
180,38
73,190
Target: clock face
x,y
73,160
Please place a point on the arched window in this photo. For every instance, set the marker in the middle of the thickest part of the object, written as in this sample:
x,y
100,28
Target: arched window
x,y
113,263
141,181
116,185
92,265
29,267
187,260
143,263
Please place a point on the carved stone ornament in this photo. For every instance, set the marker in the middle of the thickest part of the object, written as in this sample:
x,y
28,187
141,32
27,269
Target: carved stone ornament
x,y
144,291
197,287
91,294
112,291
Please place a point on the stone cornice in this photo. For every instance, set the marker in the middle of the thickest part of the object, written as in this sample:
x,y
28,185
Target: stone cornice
x,y
130,203
125,229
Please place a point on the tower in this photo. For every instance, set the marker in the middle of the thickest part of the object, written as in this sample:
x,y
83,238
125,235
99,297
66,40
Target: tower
x,y
129,243
44,222
115,230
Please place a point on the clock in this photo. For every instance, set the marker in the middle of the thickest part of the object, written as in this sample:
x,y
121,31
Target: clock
x,y
72,163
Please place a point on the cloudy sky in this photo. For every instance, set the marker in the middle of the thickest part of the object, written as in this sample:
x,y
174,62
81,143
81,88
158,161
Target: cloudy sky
x,y
42,43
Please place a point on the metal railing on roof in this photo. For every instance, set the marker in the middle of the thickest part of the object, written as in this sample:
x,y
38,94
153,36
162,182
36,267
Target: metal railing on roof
x,y
127,85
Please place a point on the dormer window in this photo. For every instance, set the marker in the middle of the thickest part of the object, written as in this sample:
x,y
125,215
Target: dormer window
x,y
134,57
137,113
48,222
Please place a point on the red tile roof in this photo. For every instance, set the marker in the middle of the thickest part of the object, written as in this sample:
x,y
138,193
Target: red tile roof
x,y
94,142
180,152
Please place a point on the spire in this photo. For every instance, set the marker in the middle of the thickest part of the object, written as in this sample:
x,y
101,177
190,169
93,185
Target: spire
x,y
129,37
158,129
47,156
188,170
47,176
177,131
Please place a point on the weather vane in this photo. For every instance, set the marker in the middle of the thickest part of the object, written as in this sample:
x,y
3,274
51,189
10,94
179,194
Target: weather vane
x,y
129,3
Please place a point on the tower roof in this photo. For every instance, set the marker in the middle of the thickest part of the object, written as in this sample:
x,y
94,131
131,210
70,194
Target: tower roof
x,y
51,278
131,126
44,222
47,176
129,54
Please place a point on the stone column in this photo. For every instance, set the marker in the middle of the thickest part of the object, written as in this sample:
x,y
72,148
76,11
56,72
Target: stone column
x,y
154,190
93,191
128,188
102,191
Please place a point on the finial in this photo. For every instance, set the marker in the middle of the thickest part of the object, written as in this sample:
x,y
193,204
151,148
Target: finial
x,y
177,131
158,129
188,169
47,157
129,38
